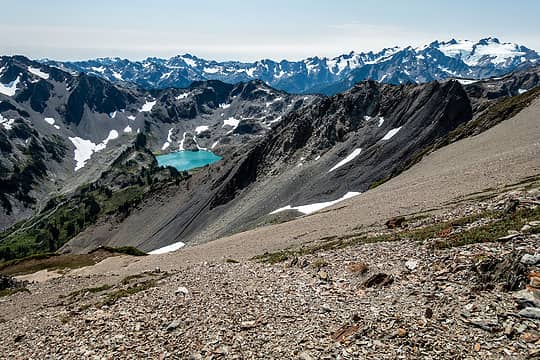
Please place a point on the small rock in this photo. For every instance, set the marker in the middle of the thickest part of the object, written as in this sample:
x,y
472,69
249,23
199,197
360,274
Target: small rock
x,y
429,313
411,265
323,275
534,223
248,324
305,355
477,347
401,333
380,279
529,259
530,312
486,324
471,307
526,227
182,291
395,222
529,337
326,308
521,328
526,298
18,338
173,325
223,350
509,237
509,329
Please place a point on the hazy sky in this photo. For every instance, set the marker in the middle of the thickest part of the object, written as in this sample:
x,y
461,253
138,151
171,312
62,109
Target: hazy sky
x,y
253,29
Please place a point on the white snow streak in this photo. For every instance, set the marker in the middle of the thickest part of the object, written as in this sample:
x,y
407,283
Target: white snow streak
x,y
38,72
349,158
168,248
311,208
390,134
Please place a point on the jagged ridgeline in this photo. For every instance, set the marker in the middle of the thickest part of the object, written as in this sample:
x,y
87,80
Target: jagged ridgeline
x,y
436,61
78,166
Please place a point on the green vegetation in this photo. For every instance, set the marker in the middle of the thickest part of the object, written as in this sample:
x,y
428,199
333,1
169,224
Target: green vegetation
x,y
92,290
128,250
9,292
325,245
116,295
132,177
498,227
54,261
494,230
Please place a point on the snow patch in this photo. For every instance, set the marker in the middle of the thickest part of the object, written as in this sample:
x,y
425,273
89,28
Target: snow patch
x,y
131,117
182,96
522,91
168,248
117,75
349,158
390,134
214,144
11,88
49,120
311,208
381,121
466,81
113,114
200,129
212,70
6,123
231,122
128,129
224,106
147,107
100,69
38,72
85,148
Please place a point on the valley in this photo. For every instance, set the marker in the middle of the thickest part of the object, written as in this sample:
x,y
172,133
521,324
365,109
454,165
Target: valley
x,y
371,205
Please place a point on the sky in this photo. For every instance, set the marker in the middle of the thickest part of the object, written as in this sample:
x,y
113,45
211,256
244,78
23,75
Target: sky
x,y
249,30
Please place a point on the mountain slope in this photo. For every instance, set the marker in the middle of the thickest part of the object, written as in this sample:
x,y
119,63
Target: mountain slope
x,y
280,151
436,61
59,132
318,153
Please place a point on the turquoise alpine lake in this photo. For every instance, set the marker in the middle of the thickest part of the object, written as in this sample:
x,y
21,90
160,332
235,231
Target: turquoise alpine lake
x,y
187,160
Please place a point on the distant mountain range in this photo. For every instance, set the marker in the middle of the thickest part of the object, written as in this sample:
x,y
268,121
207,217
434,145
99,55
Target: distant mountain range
x,y
437,61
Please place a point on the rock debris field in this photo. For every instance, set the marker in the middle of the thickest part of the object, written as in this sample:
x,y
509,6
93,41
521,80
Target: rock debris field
x,y
406,293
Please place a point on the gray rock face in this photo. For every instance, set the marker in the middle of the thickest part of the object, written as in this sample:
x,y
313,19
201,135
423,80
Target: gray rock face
x,y
530,312
436,61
